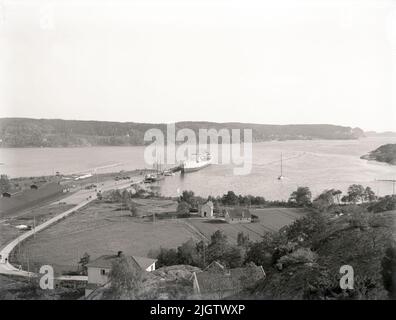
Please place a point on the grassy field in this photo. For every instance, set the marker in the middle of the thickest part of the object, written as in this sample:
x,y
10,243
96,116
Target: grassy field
x,y
102,228
8,231
270,219
157,206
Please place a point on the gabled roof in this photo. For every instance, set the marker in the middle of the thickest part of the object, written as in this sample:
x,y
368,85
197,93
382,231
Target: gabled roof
x,y
230,280
209,203
106,261
237,213
215,266
144,262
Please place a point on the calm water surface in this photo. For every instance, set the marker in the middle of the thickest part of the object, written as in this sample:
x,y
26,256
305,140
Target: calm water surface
x,y
318,164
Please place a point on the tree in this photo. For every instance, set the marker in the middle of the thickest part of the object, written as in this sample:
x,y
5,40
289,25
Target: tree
x,y
124,279
355,193
218,238
217,246
337,194
242,239
187,253
306,228
230,198
183,208
202,251
167,257
388,271
4,183
386,203
83,262
302,196
369,195
189,198
324,200
262,253
233,257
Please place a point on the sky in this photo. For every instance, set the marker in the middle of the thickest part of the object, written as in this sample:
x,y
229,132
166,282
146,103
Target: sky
x,y
272,62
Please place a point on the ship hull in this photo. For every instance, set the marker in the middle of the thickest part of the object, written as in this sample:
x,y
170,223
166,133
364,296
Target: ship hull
x,y
187,169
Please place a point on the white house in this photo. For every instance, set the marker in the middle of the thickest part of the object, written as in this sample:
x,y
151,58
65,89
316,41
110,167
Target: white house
x,y
98,269
206,210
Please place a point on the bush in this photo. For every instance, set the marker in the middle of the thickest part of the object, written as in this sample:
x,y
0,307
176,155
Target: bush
x,y
301,255
167,257
386,203
183,208
306,228
388,271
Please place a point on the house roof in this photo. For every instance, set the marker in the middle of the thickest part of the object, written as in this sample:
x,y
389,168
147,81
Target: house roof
x,y
210,204
237,279
106,261
215,266
237,213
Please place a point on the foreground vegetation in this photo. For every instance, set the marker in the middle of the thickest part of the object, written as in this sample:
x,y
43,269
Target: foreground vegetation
x,y
303,260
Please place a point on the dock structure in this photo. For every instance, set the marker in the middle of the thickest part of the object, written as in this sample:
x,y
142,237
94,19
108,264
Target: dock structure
x,y
176,168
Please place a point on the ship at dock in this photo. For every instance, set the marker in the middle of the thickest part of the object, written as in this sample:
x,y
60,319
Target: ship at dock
x,y
201,161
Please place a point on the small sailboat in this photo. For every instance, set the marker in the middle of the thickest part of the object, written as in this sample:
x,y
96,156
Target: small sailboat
x,y
281,172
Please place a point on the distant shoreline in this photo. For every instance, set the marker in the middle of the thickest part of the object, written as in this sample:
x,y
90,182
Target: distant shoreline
x,y
180,143
26,132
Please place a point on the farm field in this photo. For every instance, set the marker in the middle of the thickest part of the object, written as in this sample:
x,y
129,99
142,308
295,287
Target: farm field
x,y
102,228
157,206
99,229
270,219
8,231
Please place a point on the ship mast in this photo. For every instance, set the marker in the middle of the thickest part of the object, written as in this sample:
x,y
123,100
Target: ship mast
x,y
281,173
281,165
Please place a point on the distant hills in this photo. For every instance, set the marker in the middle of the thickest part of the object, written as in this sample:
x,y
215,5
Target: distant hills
x,y
385,153
26,132
380,134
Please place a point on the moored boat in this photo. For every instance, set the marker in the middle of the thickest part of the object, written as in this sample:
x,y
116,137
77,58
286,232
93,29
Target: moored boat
x,y
200,162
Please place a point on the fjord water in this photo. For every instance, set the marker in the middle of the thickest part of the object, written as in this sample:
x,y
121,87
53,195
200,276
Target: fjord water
x,y
318,164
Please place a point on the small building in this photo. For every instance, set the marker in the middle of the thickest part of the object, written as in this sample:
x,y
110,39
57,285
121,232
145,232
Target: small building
x,y
98,269
218,282
238,215
206,210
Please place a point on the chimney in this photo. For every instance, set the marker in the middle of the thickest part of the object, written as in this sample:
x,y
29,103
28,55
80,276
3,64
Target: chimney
x,y
119,253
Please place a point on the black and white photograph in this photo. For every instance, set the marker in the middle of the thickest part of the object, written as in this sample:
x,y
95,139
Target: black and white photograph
x,y
182,150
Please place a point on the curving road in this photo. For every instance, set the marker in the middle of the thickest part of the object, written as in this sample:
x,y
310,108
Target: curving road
x,y
82,197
